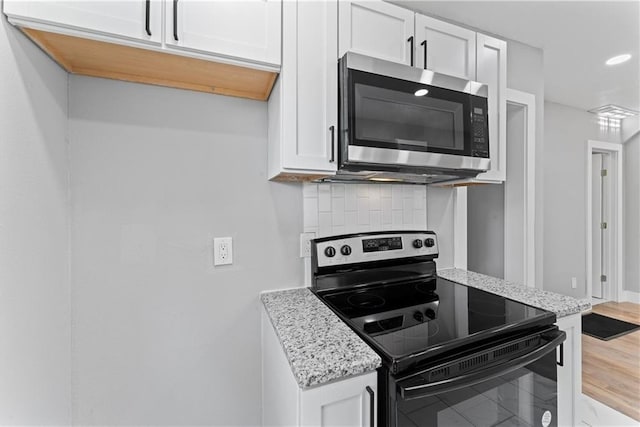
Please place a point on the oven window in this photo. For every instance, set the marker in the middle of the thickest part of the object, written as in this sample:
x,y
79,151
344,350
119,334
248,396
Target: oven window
x,y
525,397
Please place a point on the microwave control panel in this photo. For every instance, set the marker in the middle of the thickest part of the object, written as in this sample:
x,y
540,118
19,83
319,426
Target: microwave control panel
x,y
479,128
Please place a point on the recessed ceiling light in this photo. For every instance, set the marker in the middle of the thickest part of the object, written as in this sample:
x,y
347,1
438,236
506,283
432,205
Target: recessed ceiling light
x,y
618,59
421,92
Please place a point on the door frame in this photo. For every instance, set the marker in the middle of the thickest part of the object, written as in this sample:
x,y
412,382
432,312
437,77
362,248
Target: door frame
x,y
528,102
614,291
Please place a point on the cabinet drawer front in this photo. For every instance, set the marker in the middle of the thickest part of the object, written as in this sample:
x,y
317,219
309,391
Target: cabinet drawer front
x,y
246,29
377,29
450,49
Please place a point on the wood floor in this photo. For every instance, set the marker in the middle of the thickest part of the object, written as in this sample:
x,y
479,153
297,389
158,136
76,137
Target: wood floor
x,y
611,369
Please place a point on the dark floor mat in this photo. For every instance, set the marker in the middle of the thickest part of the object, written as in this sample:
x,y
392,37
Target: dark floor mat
x,y
605,328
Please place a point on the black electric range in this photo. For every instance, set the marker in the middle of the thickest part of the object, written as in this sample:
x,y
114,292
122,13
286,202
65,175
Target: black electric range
x,y
434,336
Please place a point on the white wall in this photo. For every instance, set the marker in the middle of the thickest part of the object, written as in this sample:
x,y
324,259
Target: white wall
x,y
486,229
631,184
566,133
486,204
161,337
35,323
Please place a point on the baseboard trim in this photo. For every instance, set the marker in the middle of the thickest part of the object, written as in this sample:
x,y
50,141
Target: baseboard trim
x,y
630,296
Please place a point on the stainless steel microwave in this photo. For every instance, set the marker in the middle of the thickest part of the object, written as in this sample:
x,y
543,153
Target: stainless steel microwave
x,y
401,123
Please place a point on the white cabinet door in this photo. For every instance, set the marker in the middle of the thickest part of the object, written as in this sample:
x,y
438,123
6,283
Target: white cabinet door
x,y
492,70
450,49
139,20
349,402
244,29
303,108
376,28
570,373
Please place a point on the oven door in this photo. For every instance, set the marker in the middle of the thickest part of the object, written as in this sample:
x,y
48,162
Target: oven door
x,y
518,391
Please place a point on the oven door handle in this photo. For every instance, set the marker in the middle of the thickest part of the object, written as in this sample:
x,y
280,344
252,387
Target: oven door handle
x,y
414,391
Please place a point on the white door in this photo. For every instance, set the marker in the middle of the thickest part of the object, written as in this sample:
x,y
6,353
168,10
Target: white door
x,y
376,28
450,49
243,29
139,20
600,225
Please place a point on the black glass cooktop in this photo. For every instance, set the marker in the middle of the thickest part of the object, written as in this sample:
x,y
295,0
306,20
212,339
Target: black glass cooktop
x,y
424,318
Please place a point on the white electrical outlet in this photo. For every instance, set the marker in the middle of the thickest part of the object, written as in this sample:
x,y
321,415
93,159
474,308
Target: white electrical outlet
x,y
222,251
574,282
305,244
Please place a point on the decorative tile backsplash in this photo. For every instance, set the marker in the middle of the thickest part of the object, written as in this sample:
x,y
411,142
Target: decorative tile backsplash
x,y
331,208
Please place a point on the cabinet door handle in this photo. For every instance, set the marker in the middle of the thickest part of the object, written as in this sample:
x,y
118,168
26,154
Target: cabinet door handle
x,y
147,9
372,405
332,129
410,40
561,362
175,20
424,43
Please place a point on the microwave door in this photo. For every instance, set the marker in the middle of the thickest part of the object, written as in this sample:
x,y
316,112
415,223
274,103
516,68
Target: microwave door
x,y
387,118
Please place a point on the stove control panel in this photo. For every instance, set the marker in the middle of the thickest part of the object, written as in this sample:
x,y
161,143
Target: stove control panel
x,y
373,246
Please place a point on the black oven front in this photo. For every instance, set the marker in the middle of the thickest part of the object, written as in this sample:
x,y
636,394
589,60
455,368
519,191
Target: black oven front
x,y
511,383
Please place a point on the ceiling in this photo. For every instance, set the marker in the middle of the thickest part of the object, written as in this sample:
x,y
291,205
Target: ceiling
x,y
577,37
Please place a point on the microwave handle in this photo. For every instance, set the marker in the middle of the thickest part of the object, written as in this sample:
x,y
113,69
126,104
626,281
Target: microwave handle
x,y
429,389
332,129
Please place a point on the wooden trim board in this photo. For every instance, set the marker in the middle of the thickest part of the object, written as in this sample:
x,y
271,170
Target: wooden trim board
x,y
113,61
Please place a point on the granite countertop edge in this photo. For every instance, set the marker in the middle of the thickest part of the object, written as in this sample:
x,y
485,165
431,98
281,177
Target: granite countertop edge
x,y
321,348
318,345
561,305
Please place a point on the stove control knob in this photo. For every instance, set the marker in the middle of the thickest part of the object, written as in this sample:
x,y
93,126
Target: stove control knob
x,y
330,251
430,313
345,250
429,242
418,316
417,243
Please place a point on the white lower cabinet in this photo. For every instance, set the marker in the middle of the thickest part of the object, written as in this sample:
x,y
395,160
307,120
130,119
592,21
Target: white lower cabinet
x,y
570,371
348,402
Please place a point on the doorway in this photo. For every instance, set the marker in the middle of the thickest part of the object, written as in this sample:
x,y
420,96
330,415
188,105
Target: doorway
x,y
604,221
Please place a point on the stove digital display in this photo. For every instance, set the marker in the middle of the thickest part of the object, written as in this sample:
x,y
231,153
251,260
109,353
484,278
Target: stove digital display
x,y
383,244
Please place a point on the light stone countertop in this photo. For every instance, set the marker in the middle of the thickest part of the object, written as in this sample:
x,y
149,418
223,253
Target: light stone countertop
x,y
319,346
561,305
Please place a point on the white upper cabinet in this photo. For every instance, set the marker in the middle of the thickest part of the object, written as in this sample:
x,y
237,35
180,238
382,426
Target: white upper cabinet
x,y
450,49
303,107
138,20
377,29
247,29
492,70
